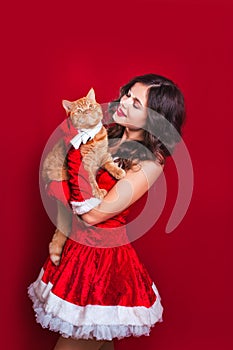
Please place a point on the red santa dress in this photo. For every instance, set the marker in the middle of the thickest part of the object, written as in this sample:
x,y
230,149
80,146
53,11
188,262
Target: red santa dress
x,y
100,290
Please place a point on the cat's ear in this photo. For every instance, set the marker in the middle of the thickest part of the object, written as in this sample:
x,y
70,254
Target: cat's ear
x,y
67,105
91,95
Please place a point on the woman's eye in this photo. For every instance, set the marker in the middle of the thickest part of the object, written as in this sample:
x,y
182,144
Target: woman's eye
x,y
136,106
127,94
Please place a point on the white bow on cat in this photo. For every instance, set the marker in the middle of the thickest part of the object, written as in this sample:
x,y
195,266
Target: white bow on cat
x,y
85,135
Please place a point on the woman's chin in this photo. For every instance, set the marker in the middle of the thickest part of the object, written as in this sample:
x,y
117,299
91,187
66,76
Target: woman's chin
x,y
120,120
123,121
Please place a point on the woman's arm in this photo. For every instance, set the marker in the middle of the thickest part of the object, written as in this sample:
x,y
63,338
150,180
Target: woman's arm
x,y
125,192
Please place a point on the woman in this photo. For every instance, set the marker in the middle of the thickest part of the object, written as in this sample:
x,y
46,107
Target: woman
x,y
100,290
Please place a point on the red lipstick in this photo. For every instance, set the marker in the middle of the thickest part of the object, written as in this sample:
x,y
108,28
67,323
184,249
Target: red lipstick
x,y
120,112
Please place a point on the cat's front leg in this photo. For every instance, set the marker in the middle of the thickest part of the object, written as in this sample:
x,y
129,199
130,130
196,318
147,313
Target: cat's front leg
x,y
92,170
113,168
99,192
96,191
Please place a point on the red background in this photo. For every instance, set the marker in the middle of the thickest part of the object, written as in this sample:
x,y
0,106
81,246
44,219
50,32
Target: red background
x,y
52,51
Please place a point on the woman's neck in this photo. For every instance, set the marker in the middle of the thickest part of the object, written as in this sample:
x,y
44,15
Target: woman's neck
x,y
129,134
132,134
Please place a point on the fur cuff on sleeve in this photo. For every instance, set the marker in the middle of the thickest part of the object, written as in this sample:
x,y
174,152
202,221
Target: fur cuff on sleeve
x,y
85,206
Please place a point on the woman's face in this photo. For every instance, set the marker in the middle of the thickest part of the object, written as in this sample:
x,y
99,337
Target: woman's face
x,y
132,111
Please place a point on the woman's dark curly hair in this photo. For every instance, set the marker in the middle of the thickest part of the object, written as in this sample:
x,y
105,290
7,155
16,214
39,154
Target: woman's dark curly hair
x,y
166,114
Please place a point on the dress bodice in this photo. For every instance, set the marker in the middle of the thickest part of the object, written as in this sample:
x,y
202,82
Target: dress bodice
x,y
109,233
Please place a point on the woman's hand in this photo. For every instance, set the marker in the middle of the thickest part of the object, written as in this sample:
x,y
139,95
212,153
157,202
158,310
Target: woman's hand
x,y
126,191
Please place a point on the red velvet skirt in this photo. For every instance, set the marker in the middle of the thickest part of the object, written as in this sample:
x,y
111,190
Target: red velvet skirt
x,y
96,293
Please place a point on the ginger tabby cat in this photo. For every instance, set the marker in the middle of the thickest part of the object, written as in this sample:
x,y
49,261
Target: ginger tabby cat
x,y
85,115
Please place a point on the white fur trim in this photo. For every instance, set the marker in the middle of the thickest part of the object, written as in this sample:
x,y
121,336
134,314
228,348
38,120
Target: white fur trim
x,y
85,206
91,321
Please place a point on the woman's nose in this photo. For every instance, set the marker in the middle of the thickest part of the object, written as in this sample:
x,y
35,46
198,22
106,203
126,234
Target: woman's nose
x,y
126,101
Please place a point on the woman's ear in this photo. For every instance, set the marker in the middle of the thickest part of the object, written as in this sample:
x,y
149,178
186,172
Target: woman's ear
x,y
91,95
67,105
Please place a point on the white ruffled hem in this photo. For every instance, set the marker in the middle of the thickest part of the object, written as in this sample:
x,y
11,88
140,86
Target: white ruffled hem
x,y
92,331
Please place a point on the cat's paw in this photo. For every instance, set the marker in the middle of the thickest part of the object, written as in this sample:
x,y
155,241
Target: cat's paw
x,y
114,170
118,173
100,193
